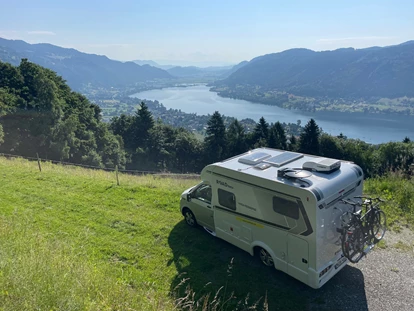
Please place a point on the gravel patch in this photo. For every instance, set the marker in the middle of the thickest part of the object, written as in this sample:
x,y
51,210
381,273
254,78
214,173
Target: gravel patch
x,y
384,280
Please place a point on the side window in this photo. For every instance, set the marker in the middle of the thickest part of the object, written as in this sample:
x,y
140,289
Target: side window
x,y
226,199
203,193
286,206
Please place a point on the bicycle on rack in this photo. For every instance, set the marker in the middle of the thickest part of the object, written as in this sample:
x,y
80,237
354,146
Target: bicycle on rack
x,y
362,228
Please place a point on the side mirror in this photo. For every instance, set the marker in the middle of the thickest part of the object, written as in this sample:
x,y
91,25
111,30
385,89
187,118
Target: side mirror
x,y
188,197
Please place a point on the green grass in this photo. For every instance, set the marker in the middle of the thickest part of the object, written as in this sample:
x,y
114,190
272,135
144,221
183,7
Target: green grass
x,y
73,240
399,195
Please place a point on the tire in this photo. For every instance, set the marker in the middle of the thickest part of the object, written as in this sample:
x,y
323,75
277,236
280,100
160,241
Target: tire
x,y
379,226
353,244
266,258
190,218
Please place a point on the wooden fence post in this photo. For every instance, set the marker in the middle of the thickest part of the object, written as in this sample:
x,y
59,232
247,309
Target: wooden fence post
x,y
117,179
38,162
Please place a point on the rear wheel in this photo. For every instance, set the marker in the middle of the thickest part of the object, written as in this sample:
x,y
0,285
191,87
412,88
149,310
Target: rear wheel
x,y
379,226
353,244
266,258
190,218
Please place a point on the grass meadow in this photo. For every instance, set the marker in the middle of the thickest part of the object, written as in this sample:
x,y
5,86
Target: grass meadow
x,y
71,239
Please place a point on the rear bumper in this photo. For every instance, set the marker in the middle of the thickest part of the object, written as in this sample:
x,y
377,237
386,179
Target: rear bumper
x,y
317,282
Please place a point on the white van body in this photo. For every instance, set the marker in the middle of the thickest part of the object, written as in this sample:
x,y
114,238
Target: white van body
x,y
253,202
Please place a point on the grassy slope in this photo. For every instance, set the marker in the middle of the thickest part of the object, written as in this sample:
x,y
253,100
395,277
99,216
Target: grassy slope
x,y
73,240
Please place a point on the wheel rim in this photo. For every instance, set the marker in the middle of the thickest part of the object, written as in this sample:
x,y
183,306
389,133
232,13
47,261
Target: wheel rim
x,y
356,245
353,245
266,258
380,225
189,218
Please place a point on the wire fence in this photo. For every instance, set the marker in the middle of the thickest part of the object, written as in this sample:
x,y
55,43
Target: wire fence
x,y
130,172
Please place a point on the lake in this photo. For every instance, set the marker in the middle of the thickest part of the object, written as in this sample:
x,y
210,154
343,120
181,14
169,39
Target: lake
x,y
371,128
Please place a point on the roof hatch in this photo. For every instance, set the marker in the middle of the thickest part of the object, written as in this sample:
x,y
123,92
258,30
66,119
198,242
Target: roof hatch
x,y
254,158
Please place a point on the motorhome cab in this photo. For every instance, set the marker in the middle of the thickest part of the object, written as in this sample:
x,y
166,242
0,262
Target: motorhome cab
x,y
283,206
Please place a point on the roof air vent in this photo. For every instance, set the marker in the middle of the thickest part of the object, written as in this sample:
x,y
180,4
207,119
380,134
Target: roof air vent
x,y
326,166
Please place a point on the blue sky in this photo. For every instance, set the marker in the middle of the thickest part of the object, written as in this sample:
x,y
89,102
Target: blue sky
x,y
206,32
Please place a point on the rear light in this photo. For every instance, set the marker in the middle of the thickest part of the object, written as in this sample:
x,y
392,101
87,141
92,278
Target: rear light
x,y
325,270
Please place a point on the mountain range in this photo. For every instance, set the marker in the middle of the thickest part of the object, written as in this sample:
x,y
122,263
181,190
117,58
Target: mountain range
x,y
218,72
347,72
77,68
343,73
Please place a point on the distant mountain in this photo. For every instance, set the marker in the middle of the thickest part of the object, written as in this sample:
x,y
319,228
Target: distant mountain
x,y
234,69
197,72
146,62
190,71
372,72
77,68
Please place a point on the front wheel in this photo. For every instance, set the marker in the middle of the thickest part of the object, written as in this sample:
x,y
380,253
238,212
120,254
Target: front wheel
x,y
266,258
190,218
379,226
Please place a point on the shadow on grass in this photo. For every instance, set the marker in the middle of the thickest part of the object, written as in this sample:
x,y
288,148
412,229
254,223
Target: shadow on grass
x,y
205,260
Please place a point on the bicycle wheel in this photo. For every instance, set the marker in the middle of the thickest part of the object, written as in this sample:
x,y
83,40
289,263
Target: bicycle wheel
x,y
353,244
379,226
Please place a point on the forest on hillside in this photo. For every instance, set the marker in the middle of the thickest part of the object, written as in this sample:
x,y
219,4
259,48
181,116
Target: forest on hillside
x,y
40,114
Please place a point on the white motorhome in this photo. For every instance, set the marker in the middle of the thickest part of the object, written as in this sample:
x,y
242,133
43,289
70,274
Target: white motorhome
x,y
283,206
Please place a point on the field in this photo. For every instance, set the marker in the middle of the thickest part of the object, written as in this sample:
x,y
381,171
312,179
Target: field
x,y
71,239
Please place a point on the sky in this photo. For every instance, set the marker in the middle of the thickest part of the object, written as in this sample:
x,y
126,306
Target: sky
x,y
214,32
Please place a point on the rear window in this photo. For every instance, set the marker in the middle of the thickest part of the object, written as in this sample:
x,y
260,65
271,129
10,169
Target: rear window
x,y
286,206
226,199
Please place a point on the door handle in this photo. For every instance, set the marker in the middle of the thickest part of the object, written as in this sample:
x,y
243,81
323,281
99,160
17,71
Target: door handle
x,y
283,255
208,206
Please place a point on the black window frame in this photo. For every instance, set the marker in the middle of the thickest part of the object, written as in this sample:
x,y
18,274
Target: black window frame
x,y
288,211
224,200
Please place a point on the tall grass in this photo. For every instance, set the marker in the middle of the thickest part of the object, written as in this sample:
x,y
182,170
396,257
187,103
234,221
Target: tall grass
x,y
398,191
70,239
42,272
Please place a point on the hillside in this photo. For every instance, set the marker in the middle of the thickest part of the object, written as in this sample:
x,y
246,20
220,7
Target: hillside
x,y
73,240
77,68
351,73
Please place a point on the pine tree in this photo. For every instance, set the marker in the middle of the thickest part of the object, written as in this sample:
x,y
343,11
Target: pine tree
x,y
309,139
236,139
261,131
142,124
215,141
277,137
293,143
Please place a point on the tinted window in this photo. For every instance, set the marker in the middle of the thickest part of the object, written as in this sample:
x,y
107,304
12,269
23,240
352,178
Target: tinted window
x,y
288,207
226,199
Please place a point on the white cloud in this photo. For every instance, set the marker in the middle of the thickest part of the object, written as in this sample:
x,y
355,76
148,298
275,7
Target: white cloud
x,y
41,33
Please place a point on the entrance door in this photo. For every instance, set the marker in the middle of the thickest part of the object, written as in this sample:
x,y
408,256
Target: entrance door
x,y
298,257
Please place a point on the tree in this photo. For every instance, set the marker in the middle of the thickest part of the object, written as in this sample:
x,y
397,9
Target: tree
x,y
329,147
40,114
406,140
309,138
261,131
277,137
187,151
141,125
293,143
236,139
215,141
